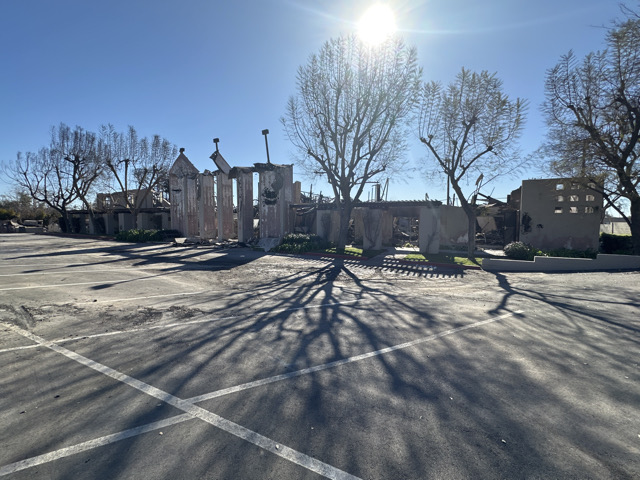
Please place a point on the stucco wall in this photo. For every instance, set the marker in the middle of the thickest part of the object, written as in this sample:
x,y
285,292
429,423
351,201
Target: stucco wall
x,y
453,226
560,213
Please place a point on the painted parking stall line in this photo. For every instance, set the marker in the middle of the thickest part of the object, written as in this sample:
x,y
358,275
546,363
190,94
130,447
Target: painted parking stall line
x,y
345,361
194,411
176,325
23,464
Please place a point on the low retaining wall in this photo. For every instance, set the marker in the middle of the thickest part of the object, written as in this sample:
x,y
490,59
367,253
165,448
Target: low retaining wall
x,y
563,264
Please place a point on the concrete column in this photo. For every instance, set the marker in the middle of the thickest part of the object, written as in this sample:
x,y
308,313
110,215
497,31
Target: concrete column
x,y
328,224
429,229
245,205
286,199
297,192
387,228
269,184
190,196
183,196
206,205
372,229
275,195
109,223
225,206
125,221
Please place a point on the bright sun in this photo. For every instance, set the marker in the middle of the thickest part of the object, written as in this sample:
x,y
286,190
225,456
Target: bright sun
x,y
377,24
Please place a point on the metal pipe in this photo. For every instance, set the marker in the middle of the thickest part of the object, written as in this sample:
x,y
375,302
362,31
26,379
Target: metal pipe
x,y
265,132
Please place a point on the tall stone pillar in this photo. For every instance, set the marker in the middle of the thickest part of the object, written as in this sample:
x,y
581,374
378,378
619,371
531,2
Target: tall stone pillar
x,y
225,206
429,229
182,196
206,205
372,229
244,183
275,195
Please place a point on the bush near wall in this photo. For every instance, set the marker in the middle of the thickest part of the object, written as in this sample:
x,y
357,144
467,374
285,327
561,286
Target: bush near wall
x,y
143,236
300,243
616,244
523,251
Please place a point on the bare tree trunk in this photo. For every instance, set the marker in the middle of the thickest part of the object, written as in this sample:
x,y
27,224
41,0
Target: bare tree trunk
x,y
65,223
345,216
471,217
134,213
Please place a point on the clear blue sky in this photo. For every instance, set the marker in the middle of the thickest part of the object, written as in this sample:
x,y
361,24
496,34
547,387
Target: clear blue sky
x,y
194,70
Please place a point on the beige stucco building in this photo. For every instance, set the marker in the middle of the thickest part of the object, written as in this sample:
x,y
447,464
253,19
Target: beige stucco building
x,y
560,213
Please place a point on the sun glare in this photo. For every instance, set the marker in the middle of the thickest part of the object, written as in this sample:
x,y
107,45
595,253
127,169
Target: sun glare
x,y
377,24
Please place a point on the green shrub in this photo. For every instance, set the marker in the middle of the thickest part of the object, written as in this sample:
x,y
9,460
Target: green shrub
x,y
520,251
300,243
7,214
616,244
565,252
143,236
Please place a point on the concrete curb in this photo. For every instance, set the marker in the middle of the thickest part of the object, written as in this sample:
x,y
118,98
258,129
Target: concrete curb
x,y
563,264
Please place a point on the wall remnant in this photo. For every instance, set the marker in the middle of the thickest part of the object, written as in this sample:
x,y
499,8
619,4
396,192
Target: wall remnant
x,y
560,213
183,178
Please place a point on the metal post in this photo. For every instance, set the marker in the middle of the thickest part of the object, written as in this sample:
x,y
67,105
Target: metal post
x,y
265,132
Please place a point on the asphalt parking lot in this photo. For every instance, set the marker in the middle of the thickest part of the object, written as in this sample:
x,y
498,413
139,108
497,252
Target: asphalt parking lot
x,y
123,361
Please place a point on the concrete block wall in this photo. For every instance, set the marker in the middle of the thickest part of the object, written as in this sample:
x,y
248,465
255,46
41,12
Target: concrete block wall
x,y
562,264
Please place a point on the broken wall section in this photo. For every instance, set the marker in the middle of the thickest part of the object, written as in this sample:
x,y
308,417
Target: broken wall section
x,y
560,213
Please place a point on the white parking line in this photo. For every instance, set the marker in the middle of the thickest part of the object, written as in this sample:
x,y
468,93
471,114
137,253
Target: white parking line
x,y
345,361
65,285
91,444
177,325
23,464
193,410
68,272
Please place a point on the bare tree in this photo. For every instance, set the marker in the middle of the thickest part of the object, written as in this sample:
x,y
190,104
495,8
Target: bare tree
x,y
137,166
348,118
60,174
470,128
592,109
82,151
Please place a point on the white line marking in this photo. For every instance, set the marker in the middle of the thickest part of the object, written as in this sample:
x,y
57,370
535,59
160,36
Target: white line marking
x,y
337,363
176,325
202,320
14,349
91,444
115,300
186,406
67,272
64,452
65,285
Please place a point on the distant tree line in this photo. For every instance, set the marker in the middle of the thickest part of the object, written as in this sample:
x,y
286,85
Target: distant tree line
x,y
77,164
